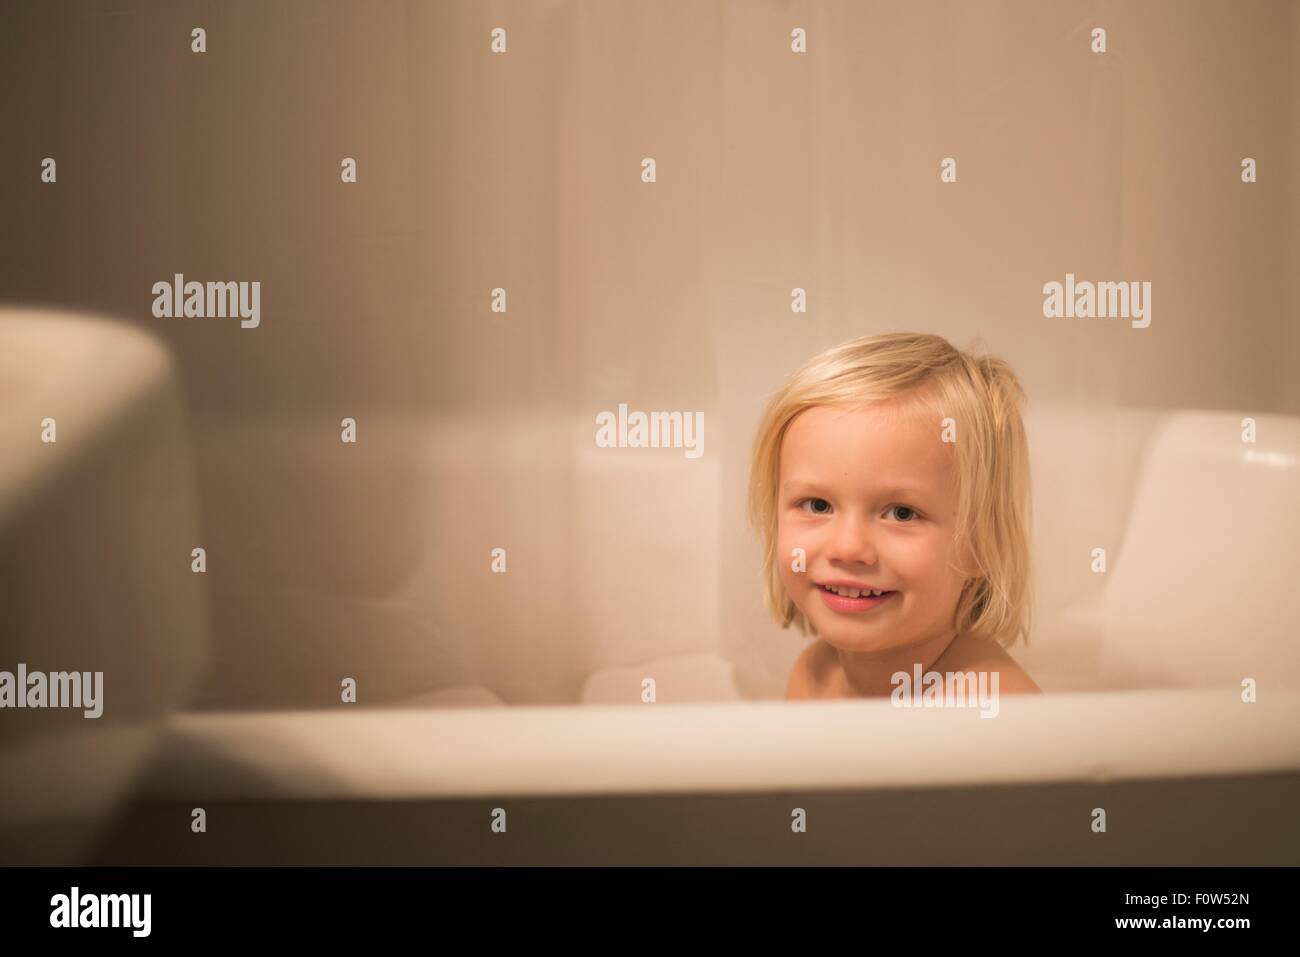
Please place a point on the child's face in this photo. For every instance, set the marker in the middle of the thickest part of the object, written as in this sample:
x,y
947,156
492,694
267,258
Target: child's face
x,y
871,498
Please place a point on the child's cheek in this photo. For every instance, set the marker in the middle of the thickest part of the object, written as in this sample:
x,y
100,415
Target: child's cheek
x,y
783,550
793,564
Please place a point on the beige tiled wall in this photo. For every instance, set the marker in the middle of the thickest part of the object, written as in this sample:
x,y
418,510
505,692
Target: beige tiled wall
x,y
521,171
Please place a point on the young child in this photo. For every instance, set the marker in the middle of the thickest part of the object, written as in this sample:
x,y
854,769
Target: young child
x,y
896,465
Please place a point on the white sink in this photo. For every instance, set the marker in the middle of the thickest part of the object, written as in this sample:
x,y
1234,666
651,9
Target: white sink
x,y
96,530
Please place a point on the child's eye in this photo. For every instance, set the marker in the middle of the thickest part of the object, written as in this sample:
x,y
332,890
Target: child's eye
x,y
910,514
802,502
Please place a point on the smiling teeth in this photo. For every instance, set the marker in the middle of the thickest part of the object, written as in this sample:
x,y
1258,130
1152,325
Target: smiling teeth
x,y
853,592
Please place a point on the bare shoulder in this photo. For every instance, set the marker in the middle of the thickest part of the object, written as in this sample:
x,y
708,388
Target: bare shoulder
x,y
983,654
1014,679
805,676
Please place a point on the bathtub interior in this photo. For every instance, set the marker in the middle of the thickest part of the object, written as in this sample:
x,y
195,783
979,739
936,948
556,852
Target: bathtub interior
x,y
610,559
1199,594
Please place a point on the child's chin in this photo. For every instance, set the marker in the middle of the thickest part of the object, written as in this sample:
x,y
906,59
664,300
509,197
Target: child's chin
x,y
847,638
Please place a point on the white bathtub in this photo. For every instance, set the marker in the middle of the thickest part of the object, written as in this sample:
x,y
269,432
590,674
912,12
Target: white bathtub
x,y
1188,777
1143,717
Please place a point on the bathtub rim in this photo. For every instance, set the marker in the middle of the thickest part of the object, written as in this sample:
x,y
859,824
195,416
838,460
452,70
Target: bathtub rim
x,y
381,753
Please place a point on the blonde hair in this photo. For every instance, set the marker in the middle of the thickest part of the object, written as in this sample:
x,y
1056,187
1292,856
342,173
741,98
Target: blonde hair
x,y
931,379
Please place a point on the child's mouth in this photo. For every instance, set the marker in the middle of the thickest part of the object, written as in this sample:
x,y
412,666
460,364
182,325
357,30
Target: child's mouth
x,y
863,602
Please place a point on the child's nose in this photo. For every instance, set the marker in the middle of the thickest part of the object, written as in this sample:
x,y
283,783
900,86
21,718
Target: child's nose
x,y
853,539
